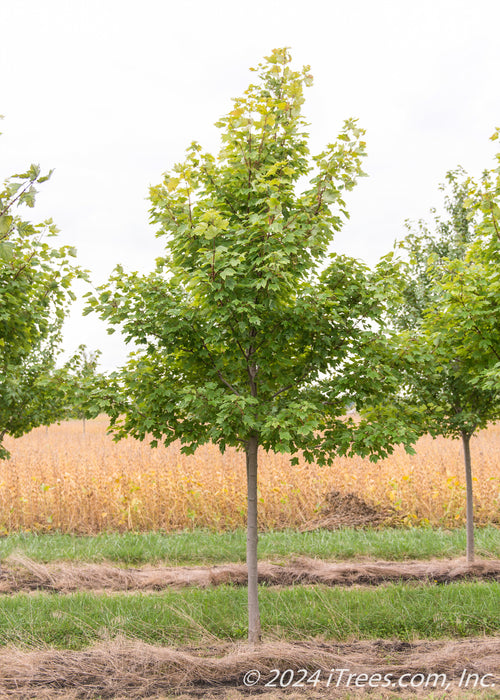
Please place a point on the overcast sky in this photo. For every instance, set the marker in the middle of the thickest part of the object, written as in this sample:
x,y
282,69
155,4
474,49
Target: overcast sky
x,y
110,93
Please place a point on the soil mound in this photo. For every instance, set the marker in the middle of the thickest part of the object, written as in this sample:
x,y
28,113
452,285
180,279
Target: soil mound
x,y
132,669
350,510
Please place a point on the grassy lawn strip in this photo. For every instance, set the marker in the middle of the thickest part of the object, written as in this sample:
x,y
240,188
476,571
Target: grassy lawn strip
x,y
403,611
206,547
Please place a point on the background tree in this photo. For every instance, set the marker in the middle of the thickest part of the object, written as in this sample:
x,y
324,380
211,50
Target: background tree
x,y
82,381
429,252
35,281
473,303
251,333
439,370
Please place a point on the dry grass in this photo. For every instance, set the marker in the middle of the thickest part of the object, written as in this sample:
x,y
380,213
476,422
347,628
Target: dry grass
x,y
19,573
132,669
63,480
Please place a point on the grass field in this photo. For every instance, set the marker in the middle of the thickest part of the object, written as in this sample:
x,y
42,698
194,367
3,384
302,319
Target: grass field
x,y
405,611
207,547
61,479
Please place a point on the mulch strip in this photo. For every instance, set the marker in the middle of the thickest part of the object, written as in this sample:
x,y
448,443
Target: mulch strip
x,y
131,669
18,573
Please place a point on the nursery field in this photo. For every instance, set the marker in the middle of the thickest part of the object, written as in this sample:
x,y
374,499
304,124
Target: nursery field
x,y
123,573
73,625
61,479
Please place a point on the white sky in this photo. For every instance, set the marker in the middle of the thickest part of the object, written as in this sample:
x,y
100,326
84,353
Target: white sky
x,y
110,92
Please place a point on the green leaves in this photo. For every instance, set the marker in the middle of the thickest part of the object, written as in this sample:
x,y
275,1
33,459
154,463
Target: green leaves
x,y
247,328
35,280
6,251
84,384
5,224
448,316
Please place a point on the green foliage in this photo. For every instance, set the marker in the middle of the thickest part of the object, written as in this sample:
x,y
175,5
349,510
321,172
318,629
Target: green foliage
x,y
428,252
445,319
83,382
471,290
35,280
249,327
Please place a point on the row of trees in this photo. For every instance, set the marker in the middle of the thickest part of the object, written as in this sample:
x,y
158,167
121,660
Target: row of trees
x,y
250,332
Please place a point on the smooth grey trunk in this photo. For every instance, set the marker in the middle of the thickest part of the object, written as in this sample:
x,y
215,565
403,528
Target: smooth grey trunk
x,y
252,447
83,424
469,501
2,435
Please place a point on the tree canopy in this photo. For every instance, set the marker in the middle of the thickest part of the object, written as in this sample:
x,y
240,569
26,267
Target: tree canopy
x,y
35,290
472,289
248,287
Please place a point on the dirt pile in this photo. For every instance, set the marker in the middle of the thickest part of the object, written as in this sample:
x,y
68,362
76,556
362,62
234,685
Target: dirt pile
x,y
21,574
350,510
131,669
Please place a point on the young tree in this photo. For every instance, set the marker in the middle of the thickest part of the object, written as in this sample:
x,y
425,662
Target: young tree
x,y
82,382
473,303
252,334
35,281
442,371
429,252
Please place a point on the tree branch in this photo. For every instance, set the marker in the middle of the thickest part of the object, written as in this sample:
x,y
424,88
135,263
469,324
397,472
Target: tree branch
x,y
219,373
23,267
13,201
495,224
224,381
290,386
242,350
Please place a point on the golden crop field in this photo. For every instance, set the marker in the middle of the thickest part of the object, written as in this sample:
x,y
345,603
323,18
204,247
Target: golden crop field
x,y
62,479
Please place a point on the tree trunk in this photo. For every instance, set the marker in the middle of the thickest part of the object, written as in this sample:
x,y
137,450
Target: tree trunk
x,y
2,434
83,424
469,502
252,537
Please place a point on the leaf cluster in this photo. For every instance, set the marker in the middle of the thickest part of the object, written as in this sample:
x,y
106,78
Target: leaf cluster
x,y
35,291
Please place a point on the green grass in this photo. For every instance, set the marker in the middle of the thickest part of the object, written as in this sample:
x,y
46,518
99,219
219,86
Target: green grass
x,y
173,617
206,547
